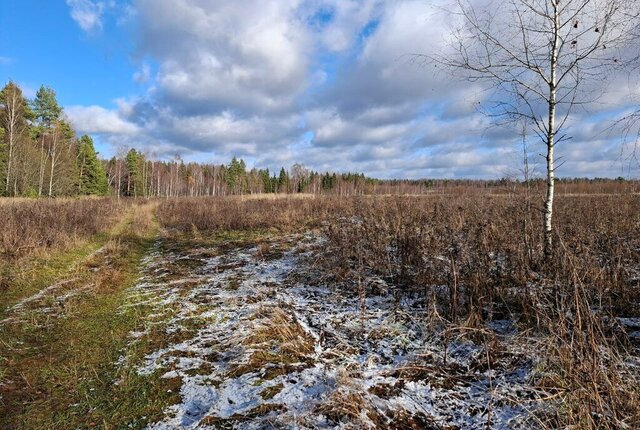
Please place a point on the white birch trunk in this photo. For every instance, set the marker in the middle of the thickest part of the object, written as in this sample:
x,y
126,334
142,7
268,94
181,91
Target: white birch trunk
x,y
54,156
13,120
548,203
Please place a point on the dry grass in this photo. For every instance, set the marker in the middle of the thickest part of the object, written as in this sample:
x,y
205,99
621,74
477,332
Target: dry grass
x,y
476,259
215,214
471,257
35,226
277,339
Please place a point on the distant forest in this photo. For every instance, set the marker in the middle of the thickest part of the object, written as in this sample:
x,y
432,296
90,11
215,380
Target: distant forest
x,y
41,155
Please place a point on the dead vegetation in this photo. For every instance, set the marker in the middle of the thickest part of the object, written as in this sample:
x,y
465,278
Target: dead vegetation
x,y
222,214
474,260
415,312
471,262
31,226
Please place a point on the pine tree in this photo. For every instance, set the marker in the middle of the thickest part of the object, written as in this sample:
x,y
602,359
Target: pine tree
x,y
47,112
93,179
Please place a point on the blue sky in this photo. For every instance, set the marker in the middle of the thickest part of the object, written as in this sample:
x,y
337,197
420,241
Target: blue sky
x,y
321,82
44,45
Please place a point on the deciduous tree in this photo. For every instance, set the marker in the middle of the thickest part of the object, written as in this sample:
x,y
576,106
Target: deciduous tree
x,y
14,116
543,58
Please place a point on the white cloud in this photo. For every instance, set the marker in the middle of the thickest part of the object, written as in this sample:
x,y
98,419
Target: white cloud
x,y
143,75
96,119
245,54
324,82
87,14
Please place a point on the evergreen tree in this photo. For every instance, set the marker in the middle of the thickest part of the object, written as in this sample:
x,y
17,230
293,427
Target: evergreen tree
x,y
236,176
63,167
93,179
283,181
47,112
266,181
133,161
46,107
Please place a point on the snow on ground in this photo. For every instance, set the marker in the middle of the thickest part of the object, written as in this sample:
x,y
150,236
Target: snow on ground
x,y
51,300
259,341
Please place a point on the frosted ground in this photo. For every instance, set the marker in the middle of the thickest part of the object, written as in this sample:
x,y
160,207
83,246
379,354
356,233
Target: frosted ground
x,y
256,339
259,336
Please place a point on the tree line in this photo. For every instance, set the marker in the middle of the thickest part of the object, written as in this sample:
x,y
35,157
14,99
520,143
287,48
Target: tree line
x,y
41,155
133,175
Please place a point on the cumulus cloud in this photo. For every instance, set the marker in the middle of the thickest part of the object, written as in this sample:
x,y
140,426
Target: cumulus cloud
x,y
96,119
329,83
217,55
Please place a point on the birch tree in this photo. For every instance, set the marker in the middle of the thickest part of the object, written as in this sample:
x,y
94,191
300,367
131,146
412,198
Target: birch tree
x,y
47,111
62,136
14,113
542,58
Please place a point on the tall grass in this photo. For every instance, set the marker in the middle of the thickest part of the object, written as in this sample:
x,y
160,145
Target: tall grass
x,y
233,213
476,258
30,226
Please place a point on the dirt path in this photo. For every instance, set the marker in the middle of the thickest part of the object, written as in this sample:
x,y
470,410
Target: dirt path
x,y
253,339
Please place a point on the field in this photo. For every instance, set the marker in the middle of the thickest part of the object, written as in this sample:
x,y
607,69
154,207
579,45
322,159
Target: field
x,y
392,312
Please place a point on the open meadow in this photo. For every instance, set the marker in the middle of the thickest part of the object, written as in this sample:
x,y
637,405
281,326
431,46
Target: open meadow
x,y
390,312
320,215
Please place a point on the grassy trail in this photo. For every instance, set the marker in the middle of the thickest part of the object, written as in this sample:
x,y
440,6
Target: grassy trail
x,y
58,349
29,276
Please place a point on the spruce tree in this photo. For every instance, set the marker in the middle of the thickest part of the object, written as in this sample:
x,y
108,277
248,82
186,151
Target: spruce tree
x,y
266,181
236,176
283,181
134,179
93,179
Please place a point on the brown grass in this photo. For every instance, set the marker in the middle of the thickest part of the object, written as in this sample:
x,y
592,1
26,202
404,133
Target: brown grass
x,y
211,214
476,258
32,226
473,257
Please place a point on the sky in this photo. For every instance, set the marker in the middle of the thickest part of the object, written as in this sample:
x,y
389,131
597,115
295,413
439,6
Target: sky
x,y
331,84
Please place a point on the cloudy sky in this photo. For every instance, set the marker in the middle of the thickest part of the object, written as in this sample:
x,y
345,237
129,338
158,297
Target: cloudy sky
x,y
328,83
